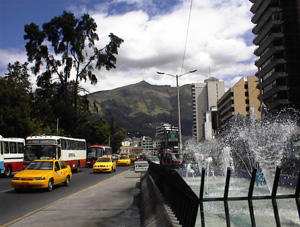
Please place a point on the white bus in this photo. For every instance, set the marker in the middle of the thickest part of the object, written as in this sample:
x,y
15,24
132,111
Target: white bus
x,y
70,150
11,155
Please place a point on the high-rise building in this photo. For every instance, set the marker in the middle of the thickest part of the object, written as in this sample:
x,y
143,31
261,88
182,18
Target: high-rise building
x,y
239,100
277,30
167,137
204,99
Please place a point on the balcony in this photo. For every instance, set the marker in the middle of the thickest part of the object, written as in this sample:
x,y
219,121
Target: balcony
x,y
263,46
256,5
268,54
267,30
263,20
259,8
273,91
272,78
269,67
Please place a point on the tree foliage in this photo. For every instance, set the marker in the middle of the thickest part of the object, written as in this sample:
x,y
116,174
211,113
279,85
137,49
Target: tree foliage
x,y
70,49
63,53
15,102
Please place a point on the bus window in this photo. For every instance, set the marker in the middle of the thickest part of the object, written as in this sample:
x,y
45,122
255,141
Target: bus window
x,y
20,147
6,148
1,150
13,148
63,144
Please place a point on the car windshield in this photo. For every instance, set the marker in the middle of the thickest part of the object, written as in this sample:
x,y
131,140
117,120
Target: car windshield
x,y
103,160
124,157
40,166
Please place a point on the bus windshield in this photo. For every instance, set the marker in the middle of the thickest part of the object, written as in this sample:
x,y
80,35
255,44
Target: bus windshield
x,y
33,152
94,152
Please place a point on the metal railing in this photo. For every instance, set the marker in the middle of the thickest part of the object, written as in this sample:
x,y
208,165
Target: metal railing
x,y
184,202
179,196
273,197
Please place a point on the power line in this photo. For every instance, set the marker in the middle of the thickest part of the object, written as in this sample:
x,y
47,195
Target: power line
x,y
186,37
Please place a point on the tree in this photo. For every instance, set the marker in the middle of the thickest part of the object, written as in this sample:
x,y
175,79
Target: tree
x,y
116,137
19,74
15,102
72,48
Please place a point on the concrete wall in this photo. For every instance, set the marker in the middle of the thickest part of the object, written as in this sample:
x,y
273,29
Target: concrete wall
x,y
154,212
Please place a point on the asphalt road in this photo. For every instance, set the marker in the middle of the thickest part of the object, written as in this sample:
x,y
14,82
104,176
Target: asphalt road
x,y
14,205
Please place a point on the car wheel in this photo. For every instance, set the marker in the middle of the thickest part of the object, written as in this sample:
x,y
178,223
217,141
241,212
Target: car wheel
x,y
50,185
7,171
115,168
67,181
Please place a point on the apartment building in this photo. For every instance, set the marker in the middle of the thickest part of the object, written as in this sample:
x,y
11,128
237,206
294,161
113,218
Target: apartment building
x,y
204,100
239,99
147,144
278,50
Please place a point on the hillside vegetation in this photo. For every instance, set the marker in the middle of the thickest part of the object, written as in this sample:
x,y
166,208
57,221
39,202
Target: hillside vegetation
x,y
141,107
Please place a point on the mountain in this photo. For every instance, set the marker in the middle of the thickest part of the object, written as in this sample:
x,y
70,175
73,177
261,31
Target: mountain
x,y
140,107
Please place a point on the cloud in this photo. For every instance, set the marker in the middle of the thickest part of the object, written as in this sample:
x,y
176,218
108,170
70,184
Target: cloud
x,y
11,56
216,44
155,36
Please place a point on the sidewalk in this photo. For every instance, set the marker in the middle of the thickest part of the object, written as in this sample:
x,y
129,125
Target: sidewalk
x,y
113,202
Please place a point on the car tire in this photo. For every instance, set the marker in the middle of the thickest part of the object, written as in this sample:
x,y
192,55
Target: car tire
x,y
67,181
7,171
50,185
115,169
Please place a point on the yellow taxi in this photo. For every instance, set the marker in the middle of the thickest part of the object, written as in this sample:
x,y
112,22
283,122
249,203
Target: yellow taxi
x,y
124,160
133,158
105,164
42,174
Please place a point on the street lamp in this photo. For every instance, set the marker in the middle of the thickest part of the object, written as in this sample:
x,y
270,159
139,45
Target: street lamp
x,y
178,101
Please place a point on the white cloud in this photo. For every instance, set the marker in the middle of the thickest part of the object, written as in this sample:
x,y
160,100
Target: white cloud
x,y
216,45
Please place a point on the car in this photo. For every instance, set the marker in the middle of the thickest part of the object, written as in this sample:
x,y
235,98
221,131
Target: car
x,y
172,160
105,164
153,159
133,157
42,174
124,160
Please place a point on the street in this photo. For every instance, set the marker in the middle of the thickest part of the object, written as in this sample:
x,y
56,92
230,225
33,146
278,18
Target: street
x,y
14,205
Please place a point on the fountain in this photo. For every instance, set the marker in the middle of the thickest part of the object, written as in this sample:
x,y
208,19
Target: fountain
x,y
248,143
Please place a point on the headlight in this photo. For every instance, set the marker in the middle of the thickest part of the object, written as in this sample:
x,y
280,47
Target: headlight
x,y
16,178
108,165
39,178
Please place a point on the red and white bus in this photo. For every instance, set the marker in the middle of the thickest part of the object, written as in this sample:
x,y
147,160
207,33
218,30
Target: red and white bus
x,y
96,151
70,150
11,155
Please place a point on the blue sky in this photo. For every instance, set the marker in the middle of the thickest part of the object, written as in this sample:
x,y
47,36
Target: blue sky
x,y
219,38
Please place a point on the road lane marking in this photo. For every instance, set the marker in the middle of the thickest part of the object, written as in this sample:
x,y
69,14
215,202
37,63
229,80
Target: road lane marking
x,y
8,190
59,200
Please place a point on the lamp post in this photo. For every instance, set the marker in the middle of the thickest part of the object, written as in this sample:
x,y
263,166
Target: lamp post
x,y
178,102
